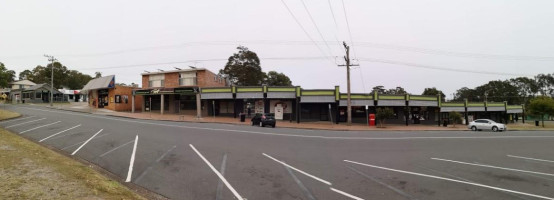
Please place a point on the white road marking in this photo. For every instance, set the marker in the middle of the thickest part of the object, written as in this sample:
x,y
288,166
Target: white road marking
x,y
82,141
132,161
116,148
453,180
301,136
398,191
305,173
346,194
495,167
150,167
25,123
536,159
237,195
58,133
219,189
16,119
74,152
39,127
307,192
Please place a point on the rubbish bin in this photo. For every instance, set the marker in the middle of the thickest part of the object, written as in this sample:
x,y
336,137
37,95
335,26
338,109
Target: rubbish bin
x,y
536,123
242,117
445,123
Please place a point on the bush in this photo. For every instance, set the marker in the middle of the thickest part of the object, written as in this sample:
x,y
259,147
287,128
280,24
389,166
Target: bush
x,y
383,114
455,117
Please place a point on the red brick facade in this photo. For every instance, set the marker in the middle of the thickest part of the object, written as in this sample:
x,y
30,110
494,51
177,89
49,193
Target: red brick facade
x,y
204,78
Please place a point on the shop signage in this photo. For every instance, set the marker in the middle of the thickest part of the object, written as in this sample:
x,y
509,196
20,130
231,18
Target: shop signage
x,y
142,92
103,92
185,90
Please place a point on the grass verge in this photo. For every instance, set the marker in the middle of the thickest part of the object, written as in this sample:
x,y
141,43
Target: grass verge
x,y
31,171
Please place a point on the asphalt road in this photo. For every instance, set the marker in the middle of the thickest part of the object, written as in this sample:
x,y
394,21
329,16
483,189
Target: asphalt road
x,y
218,161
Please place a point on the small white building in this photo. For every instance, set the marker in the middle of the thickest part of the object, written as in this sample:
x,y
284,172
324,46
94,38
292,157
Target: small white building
x,y
72,95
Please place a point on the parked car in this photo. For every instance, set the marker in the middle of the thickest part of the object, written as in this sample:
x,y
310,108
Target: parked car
x,y
486,124
263,119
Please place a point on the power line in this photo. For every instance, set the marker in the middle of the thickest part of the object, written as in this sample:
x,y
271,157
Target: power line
x,y
303,29
348,27
333,14
439,68
316,27
201,60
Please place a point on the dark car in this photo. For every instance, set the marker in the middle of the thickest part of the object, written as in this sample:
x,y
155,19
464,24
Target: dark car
x,y
263,119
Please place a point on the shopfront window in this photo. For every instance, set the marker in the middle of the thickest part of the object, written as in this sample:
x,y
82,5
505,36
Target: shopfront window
x,y
156,80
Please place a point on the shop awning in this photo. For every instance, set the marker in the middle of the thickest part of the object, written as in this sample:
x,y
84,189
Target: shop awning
x,y
423,103
356,102
496,108
450,109
476,109
250,95
281,95
100,83
317,99
514,110
391,103
222,95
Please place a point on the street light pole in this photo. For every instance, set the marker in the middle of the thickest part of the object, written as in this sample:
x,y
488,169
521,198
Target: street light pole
x,y
52,60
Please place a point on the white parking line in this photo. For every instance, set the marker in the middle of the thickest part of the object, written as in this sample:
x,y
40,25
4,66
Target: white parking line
x,y
39,127
453,180
398,191
82,141
237,195
16,119
74,152
495,167
24,123
59,133
132,161
346,194
111,150
536,159
305,173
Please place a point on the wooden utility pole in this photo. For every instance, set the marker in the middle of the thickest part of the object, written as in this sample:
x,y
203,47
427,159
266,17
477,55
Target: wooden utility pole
x,y
52,60
348,102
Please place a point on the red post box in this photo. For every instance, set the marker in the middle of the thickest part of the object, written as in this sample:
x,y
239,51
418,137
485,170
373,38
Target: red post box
x,y
371,119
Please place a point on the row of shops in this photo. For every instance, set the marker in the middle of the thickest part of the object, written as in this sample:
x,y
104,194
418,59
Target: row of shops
x,y
301,105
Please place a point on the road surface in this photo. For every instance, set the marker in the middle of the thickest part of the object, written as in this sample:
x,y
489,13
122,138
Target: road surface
x,y
182,160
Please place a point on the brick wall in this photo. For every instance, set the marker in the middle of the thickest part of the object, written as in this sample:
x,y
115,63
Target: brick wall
x,y
205,78
122,106
145,79
171,80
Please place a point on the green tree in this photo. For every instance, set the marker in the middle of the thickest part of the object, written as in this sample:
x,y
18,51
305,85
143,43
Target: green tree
x,y
379,89
25,74
243,68
433,92
545,82
499,91
97,74
382,114
397,90
541,106
277,79
468,93
62,76
455,117
6,76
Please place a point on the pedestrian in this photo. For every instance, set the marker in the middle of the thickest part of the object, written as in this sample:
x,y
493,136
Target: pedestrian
x,y
249,111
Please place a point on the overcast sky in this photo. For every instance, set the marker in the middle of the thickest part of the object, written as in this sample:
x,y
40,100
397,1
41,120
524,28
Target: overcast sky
x,y
506,37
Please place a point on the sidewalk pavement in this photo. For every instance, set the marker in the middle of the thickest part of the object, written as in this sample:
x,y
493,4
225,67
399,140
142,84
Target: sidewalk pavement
x,y
83,107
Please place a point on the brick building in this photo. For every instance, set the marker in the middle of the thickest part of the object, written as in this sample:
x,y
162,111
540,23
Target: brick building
x,y
175,91
104,93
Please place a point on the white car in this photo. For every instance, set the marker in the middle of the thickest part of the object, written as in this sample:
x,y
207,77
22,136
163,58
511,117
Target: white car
x,y
486,124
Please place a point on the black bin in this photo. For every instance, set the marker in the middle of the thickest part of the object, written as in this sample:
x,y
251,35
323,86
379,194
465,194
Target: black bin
x,y
536,123
242,117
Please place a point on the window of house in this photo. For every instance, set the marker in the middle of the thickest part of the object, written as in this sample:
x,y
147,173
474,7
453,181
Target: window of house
x,y
156,80
187,79
38,95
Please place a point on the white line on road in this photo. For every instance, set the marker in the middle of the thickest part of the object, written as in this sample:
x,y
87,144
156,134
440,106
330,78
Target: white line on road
x,y
39,127
237,195
219,189
132,161
82,141
301,136
25,123
305,173
74,152
107,152
151,165
536,159
16,119
346,194
58,133
495,167
398,191
453,180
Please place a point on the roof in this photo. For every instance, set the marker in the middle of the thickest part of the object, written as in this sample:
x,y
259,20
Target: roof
x,y
100,83
43,85
23,82
173,71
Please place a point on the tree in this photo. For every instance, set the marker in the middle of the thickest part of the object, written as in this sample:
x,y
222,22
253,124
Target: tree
x,y
545,82
382,114
433,92
379,89
468,93
72,79
97,74
243,68
541,106
25,74
396,91
6,76
277,79
455,117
